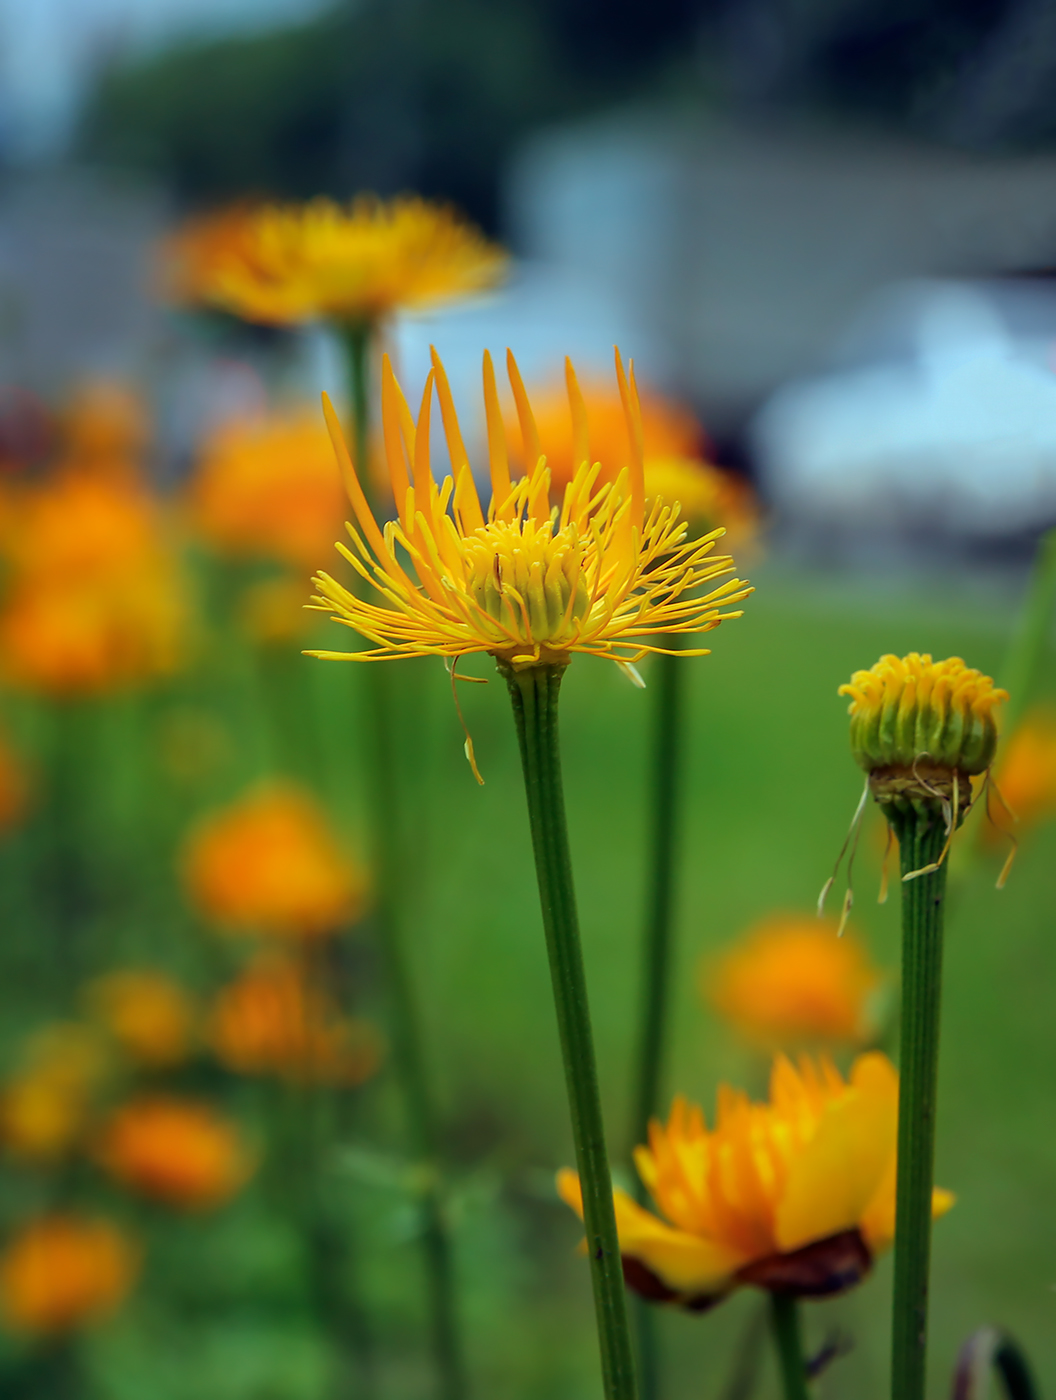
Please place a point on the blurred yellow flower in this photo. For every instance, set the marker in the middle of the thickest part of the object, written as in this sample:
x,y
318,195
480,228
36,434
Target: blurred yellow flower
x,y
796,1195
96,598
269,864
46,1105
531,584
709,496
1026,773
790,979
282,264
268,1021
176,1151
269,488
62,1272
148,1014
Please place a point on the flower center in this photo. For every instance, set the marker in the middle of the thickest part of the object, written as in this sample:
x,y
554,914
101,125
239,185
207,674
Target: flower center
x,y
529,581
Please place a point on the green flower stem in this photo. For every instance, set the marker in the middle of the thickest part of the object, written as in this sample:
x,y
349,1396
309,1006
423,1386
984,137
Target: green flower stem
x,y
359,340
404,1013
534,693
1020,670
788,1339
656,961
921,838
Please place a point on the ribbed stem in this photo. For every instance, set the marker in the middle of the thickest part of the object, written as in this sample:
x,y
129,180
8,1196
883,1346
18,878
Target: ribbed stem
x,y
404,1012
921,838
656,961
788,1339
534,693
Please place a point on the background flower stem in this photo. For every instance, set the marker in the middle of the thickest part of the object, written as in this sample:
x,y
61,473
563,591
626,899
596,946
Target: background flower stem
x,y
921,838
387,821
534,693
667,740
788,1338
987,1350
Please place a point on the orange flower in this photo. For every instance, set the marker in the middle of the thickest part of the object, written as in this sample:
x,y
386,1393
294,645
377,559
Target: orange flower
x,y
269,489
269,864
175,1151
46,1105
796,1195
269,1021
96,600
14,786
190,259
791,979
148,1015
1026,772
104,425
668,431
62,1272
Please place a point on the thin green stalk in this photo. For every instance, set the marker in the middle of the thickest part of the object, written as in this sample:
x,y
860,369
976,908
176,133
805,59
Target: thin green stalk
x,y
359,339
1027,647
534,693
408,1049
656,962
405,1015
788,1339
921,838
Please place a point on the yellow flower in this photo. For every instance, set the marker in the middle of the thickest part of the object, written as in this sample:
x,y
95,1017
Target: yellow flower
x,y
46,1105
796,1195
532,583
709,497
176,1151
282,264
1026,774
269,489
148,1014
269,864
268,1021
790,979
61,1272
912,708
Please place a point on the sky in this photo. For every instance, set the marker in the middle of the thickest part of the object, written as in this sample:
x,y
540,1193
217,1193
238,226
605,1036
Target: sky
x,y
50,50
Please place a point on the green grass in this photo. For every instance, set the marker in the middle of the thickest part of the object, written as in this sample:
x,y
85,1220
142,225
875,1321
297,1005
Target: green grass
x,y
770,789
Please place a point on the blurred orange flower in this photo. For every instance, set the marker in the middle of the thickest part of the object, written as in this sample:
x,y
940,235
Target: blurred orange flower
x,y
283,264
270,864
709,496
796,1195
176,1151
14,786
148,1014
104,425
269,1021
668,430
96,599
62,1271
1026,774
46,1105
269,488
790,979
